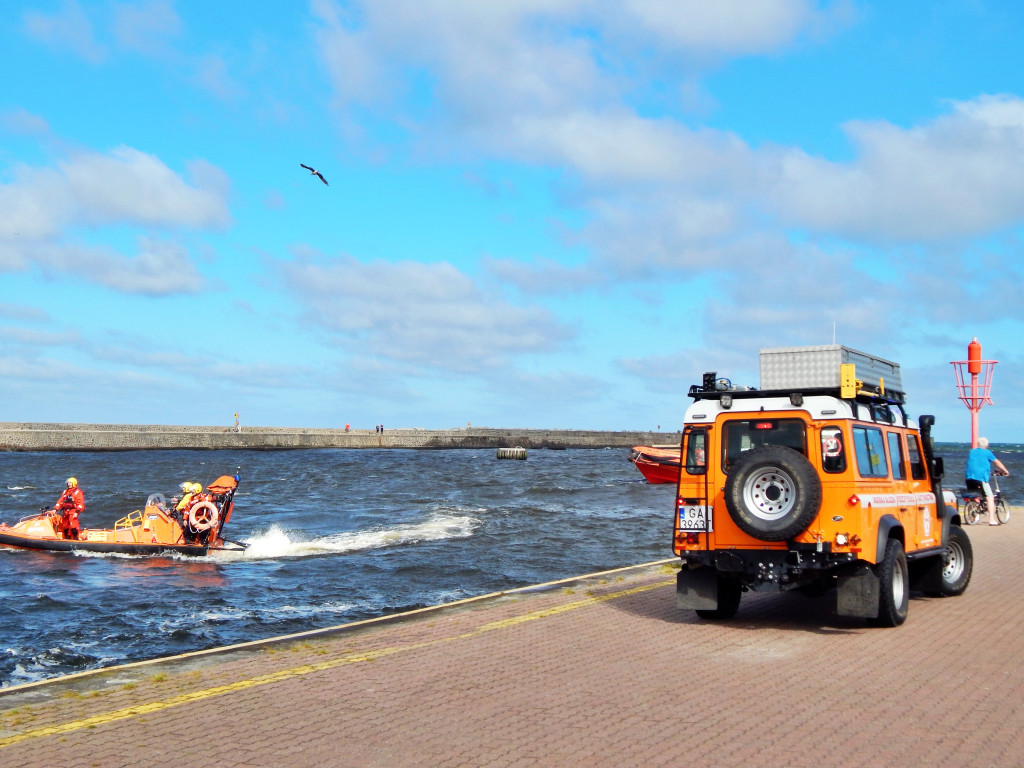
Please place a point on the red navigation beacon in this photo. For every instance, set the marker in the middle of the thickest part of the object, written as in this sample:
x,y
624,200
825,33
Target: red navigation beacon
x,y
974,383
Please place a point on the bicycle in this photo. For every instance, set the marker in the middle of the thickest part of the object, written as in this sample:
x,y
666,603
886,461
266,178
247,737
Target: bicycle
x,y
976,509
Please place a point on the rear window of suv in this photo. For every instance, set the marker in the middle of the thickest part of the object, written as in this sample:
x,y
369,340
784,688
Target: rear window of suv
x,y
696,447
740,436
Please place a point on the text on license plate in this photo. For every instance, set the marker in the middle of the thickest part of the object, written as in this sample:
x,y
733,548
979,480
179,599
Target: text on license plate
x,y
695,518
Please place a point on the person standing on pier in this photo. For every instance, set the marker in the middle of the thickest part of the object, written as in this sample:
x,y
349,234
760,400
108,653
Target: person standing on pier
x,y
70,505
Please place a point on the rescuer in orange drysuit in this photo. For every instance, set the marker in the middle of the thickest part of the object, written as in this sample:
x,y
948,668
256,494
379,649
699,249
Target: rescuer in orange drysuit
x,y
190,495
70,505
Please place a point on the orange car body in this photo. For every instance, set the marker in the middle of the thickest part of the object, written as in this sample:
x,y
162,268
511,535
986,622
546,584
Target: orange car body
x,y
819,481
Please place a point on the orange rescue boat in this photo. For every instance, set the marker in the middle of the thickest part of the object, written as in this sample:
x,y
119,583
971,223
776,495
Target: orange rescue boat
x,y
658,463
158,529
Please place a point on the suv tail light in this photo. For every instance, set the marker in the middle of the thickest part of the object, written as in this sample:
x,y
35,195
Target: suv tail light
x,y
687,539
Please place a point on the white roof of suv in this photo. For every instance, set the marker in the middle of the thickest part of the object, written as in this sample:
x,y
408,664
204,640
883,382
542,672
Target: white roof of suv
x,y
821,407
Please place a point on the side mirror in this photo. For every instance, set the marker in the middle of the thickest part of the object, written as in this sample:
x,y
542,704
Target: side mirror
x,y
938,468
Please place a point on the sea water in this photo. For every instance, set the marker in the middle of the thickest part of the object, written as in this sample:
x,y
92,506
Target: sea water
x,y
333,536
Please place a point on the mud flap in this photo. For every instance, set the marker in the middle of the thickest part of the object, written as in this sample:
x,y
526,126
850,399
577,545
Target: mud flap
x,y
697,589
857,593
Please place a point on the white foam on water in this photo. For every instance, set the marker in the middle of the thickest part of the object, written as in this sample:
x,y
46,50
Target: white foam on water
x,y
277,543
279,612
104,555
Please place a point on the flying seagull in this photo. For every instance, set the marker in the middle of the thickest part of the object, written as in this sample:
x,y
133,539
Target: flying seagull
x,y
315,173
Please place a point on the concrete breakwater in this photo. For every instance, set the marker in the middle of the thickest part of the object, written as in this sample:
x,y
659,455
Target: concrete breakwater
x,y
19,436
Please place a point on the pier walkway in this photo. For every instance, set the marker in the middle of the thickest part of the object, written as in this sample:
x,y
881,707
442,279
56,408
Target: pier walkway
x,y
600,671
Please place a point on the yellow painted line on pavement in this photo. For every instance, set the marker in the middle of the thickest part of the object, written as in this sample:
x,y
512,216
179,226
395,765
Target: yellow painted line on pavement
x,y
544,613
305,669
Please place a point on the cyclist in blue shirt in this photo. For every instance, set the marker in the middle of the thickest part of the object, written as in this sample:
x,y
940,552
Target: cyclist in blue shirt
x,y
980,463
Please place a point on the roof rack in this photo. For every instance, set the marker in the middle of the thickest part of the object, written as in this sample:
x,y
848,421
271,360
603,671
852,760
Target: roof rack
x,y
862,395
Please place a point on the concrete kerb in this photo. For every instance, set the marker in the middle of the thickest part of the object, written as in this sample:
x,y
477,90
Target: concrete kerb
x,y
124,673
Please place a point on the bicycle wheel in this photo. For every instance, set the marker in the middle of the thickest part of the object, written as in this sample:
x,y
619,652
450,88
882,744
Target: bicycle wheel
x,y
972,512
1002,511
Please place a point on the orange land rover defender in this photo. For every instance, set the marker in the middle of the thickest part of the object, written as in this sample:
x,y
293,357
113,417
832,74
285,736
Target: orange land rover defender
x,y
818,480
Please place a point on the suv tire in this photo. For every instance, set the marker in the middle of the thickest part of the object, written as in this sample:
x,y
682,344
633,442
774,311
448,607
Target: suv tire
x,y
894,586
772,492
957,563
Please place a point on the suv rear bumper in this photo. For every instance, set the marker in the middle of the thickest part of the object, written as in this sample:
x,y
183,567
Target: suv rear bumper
x,y
762,570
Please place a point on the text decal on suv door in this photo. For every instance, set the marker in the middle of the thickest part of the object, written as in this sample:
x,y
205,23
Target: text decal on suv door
x,y
895,499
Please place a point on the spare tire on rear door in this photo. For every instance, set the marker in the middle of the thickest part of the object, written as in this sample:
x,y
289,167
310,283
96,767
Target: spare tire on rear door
x,y
772,492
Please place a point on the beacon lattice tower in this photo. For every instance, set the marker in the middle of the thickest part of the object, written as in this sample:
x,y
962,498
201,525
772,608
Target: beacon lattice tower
x,y
974,383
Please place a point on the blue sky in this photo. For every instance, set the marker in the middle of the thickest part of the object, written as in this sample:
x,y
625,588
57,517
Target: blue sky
x,y
551,214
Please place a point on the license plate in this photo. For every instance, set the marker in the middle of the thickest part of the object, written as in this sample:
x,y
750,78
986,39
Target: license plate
x,y
695,518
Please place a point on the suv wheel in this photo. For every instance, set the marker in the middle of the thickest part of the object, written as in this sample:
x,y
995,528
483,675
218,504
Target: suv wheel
x,y
957,563
772,492
894,586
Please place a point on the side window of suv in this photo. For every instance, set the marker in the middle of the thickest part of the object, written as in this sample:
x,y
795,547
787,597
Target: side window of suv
x,y
916,462
899,471
869,447
696,452
833,450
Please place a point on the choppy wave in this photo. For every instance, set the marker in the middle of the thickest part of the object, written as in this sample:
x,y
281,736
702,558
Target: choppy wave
x,y
276,542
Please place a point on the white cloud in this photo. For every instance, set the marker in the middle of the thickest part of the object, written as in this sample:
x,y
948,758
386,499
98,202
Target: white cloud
x,y
43,212
507,74
23,312
558,398
653,231
667,374
212,74
69,28
356,70
160,268
125,184
122,186
543,83
431,315
21,121
144,27
797,295
619,147
957,176
36,338
147,28
130,351
728,28
541,276
558,85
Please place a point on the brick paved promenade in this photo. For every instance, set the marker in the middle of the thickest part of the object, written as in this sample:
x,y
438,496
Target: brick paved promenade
x,y
599,672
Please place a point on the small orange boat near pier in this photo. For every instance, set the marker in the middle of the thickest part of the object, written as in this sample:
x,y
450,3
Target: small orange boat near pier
x,y
658,463
157,529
